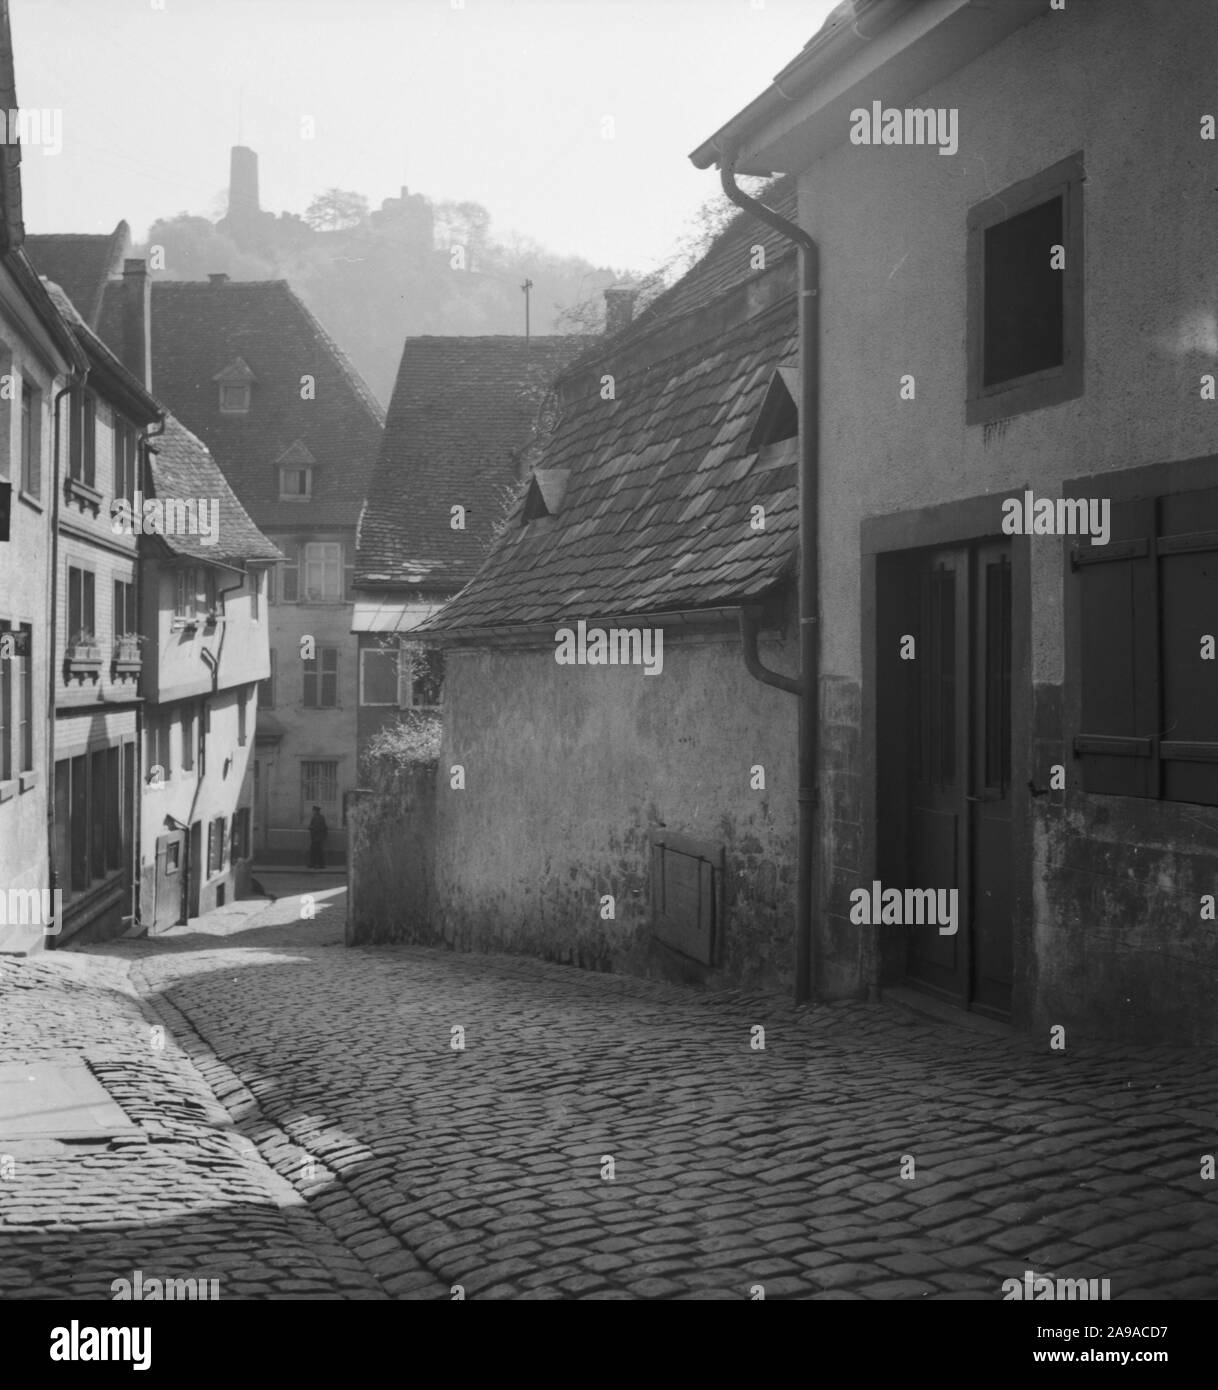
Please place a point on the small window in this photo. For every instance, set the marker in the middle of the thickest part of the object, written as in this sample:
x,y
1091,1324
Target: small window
x,y
321,679
126,474
255,578
242,734
319,787
266,688
234,398
295,484
125,622
31,440
686,895
82,618
1025,295
378,676
322,563
82,454
778,419
215,845
173,856
184,595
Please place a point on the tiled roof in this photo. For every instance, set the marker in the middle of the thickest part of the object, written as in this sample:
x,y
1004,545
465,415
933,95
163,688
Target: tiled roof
x,y
201,327
103,363
183,469
656,515
80,264
462,410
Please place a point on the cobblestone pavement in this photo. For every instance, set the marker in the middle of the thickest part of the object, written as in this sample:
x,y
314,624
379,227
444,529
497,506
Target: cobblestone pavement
x,y
383,1162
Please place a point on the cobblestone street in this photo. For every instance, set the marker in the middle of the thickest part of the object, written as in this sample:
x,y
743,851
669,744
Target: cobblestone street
x,y
309,1130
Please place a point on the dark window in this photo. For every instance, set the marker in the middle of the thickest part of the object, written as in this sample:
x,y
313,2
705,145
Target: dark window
x,y
215,845
241,718
321,679
81,614
23,685
240,847
289,571
113,814
1025,295
83,450
266,688
6,708
125,623
126,475
1023,330
31,447
98,807
1148,600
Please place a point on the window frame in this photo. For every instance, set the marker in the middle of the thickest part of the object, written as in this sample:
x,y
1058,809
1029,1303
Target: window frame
x,y
385,653
78,602
1053,385
312,798
314,670
31,440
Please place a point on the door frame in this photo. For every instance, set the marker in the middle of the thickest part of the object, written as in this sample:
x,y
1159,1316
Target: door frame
x,y
959,523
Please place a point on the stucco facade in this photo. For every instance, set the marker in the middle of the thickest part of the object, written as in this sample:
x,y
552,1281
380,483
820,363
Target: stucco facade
x,y
1106,892
567,770
29,360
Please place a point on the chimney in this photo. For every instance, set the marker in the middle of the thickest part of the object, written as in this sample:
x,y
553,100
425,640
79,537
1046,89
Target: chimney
x,y
218,277
242,182
619,306
137,321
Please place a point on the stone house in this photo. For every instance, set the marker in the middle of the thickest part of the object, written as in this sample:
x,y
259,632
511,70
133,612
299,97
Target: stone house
x,y
638,814
1017,484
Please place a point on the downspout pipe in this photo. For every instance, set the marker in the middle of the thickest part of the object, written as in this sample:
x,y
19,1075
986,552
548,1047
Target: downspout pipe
x,y
137,792
807,688
75,382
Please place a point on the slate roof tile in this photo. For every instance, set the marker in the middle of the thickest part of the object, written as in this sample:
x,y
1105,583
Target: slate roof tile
x,y
201,327
463,409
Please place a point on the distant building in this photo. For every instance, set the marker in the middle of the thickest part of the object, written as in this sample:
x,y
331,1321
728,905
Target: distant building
x,y
457,437
205,620
249,370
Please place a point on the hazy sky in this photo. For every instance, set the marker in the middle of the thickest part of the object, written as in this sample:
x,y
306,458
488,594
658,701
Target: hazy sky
x,y
499,101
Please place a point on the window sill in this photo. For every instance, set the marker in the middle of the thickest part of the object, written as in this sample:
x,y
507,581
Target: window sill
x,y
33,502
1038,391
28,780
84,493
8,789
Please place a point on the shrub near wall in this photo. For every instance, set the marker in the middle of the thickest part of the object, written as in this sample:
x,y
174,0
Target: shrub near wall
x,y
391,852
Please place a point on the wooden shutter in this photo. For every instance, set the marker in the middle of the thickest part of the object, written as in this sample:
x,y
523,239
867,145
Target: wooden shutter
x,y
329,677
1188,605
1116,743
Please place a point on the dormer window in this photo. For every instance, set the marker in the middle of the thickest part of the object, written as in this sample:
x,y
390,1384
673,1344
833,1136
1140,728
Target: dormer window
x,y
295,470
546,490
235,384
778,419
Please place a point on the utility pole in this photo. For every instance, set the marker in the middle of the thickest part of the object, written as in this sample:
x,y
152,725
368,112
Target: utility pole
x,y
526,287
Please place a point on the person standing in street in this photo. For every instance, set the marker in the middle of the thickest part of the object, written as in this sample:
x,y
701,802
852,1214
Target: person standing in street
x,y
317,839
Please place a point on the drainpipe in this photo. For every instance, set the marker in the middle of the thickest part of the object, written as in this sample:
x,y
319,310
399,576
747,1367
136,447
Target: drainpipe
x,y
137,797
75,382
807,687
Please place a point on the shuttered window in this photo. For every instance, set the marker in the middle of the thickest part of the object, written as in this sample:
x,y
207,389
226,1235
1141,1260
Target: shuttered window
x,y
1148,602
289,572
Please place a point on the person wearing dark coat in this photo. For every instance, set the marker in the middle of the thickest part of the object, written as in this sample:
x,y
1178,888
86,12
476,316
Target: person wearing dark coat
x,y
317,839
